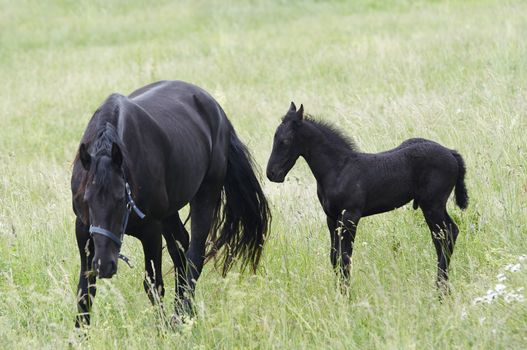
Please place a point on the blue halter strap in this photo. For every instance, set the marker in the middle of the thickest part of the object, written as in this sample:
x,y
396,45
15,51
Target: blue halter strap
x,y
130,205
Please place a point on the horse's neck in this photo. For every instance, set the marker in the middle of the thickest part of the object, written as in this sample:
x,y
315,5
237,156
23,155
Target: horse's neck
x,y
324,158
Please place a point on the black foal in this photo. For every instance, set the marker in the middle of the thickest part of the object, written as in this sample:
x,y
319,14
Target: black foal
x,y
351,184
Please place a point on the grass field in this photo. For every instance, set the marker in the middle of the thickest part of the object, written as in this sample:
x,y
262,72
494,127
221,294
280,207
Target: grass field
x,y
455,72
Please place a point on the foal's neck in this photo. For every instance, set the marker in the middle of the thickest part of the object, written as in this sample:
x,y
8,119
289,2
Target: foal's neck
x,y
325,154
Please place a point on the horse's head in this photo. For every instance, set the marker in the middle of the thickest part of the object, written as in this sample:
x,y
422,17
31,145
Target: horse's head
x,y
286,144
105,195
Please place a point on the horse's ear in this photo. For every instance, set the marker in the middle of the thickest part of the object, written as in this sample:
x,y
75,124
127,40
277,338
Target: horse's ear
x,y
292,107
85,157
300,112
117,155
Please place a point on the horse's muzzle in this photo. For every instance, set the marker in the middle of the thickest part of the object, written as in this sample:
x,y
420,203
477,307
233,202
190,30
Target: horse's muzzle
x,y
104,269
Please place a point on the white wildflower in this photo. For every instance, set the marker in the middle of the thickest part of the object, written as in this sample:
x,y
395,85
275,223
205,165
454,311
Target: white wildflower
x,y
491,294
509,297
513,267
500,288
463,313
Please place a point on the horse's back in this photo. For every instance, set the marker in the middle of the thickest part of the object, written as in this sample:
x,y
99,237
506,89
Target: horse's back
x,y
167,96
196,128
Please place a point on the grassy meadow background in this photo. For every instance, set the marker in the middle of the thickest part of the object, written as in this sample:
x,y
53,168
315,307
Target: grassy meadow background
x,y
455,72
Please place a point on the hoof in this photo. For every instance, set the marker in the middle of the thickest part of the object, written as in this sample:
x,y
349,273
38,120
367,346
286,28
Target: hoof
x,y
176,321
444,290
82,320
181,323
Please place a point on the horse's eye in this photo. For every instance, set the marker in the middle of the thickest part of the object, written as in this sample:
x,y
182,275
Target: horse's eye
x,y
87,195
286,142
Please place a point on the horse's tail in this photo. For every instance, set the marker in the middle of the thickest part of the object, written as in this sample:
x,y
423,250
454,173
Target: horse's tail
x,y
461,190
242,222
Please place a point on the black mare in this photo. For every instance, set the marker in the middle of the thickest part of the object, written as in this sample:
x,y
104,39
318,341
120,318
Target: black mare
x,y
173,144
351,184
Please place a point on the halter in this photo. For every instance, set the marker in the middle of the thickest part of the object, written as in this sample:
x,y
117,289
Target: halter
x,y
130,204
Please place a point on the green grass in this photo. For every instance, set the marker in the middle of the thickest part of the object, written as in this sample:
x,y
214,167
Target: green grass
x,y
455,72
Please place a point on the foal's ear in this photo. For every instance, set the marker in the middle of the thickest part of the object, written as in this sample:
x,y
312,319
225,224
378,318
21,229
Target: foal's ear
x,y
292,107
299,116
117,155
84,157
300,112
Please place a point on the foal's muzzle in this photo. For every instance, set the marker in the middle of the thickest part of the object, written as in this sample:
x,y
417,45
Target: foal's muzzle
x,y
274,177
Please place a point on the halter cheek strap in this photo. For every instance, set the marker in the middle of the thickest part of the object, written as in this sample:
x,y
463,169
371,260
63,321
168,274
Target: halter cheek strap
x,y
130,205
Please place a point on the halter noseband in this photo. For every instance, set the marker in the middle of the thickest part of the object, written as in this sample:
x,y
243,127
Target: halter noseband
x,y
130,204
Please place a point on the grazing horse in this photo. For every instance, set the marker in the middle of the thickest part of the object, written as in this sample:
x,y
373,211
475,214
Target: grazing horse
x,y
144,157
351,184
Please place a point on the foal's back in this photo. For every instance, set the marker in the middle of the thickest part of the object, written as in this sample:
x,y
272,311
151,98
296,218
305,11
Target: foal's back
x,y
418,169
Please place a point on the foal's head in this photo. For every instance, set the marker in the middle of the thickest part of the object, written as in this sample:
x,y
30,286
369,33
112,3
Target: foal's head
x,y
286,145
105,196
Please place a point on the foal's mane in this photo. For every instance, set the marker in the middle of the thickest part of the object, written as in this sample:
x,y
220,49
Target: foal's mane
x,y
333,135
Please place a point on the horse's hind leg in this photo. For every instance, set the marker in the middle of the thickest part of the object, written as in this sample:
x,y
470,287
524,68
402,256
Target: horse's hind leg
x,y
202,211
152,247
177,239
86,287
444,234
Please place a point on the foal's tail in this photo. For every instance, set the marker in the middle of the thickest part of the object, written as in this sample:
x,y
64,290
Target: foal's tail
x,y
243,220
461,190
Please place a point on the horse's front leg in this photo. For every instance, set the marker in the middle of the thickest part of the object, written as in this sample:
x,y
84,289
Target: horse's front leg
x,y
152,248
177,239
86,288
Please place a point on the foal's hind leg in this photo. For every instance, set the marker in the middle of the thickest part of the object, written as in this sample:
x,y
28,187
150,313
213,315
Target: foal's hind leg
x,y
86,287
177,239
444,234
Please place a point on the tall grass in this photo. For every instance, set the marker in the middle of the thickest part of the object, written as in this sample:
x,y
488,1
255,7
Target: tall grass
x,y
455,72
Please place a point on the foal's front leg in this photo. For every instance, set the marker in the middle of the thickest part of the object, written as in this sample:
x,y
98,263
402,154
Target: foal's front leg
x,y
342,233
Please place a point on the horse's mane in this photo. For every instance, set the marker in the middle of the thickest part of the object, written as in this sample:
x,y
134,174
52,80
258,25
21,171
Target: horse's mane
x,y
99,138
102,147
333,135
